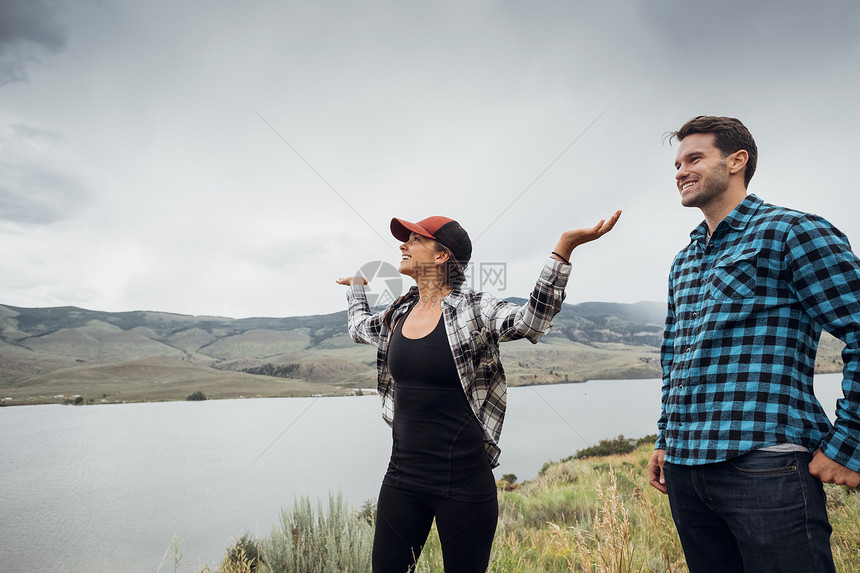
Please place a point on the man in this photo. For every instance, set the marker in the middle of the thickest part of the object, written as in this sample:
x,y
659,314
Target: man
x,y
743,445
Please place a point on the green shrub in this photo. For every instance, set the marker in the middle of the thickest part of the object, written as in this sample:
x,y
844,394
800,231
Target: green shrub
x,y
619,445
367,512
593,504
245,553
334,542
196,396
615,446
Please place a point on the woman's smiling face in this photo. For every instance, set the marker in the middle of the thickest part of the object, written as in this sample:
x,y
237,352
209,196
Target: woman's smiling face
x,y
420,256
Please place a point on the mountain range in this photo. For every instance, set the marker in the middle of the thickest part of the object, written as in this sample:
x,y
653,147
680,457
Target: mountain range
x,y
57,354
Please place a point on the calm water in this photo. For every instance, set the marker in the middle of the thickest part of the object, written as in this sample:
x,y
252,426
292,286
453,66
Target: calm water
x,y
106,488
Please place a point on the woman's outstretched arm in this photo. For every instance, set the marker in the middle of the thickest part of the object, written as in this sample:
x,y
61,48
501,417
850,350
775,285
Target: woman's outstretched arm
x,y
363,326
533,319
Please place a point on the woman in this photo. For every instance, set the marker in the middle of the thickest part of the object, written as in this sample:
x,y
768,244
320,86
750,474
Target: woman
x,y
439,371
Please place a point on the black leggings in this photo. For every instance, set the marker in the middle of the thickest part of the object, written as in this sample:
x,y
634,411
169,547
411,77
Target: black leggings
x,y
403,522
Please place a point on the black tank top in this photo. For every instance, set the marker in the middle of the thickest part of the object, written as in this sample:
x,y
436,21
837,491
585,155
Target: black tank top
x,y
438,445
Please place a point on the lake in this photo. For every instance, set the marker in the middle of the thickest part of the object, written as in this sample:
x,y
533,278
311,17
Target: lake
x,y
105,488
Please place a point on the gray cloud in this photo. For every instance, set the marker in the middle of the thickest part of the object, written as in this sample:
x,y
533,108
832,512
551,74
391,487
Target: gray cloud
x,y
765,37
30,192
33,134
29,31
407,109
37,198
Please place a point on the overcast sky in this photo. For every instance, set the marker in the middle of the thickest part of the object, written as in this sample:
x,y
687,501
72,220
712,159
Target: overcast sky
x,y
227,158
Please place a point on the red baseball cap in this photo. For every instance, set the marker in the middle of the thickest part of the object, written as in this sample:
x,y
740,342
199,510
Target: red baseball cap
x,y
447,231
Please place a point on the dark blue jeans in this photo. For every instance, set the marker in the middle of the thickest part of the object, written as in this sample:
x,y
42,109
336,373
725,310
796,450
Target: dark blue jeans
x,y
759,512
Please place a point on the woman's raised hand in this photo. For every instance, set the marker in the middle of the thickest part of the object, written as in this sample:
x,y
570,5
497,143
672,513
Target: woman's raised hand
x,y
571,239
352,281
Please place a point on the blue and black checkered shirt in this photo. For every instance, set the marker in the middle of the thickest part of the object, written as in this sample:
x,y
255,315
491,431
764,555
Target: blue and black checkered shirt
x,y
746,310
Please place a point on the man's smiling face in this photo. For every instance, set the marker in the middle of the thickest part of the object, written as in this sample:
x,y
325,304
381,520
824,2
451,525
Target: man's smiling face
x,y
702,175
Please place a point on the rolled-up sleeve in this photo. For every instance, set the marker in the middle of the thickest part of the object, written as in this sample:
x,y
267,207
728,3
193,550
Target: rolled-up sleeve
x,y
363,326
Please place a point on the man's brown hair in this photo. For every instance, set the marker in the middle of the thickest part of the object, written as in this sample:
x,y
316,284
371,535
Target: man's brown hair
x,y
730,135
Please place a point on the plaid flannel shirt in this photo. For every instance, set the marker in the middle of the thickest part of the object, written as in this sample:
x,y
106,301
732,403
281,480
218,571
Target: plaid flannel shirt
x,y
475,323
745,314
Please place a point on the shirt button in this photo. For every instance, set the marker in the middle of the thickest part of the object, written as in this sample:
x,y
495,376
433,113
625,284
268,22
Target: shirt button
x,y
695,314
687,349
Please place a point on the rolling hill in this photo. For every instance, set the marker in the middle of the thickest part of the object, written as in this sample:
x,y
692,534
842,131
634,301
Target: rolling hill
x,y
53,354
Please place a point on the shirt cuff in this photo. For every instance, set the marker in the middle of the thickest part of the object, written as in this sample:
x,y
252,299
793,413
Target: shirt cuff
x,y
555,273
842,449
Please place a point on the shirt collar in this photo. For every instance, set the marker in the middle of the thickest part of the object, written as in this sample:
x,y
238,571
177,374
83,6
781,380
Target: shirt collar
x,y
454,298
736,220
406,304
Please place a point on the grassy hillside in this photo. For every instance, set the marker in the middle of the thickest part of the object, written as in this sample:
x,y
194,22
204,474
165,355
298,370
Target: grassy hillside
x,y
52,354
592,514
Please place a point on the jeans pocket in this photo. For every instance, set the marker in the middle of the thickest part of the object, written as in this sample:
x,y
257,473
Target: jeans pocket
x,y
767,463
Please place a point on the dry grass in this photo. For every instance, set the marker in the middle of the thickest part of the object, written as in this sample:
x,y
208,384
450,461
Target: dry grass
x,y
606,544
558,359
600,515
156,379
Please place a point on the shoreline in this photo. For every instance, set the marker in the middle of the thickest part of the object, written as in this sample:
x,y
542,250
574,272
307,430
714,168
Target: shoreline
x,y
63,400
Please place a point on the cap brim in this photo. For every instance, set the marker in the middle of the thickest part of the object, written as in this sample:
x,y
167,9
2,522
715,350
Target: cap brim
x,y
402,229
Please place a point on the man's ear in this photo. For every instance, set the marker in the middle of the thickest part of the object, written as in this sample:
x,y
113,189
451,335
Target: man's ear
x,y
737,161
